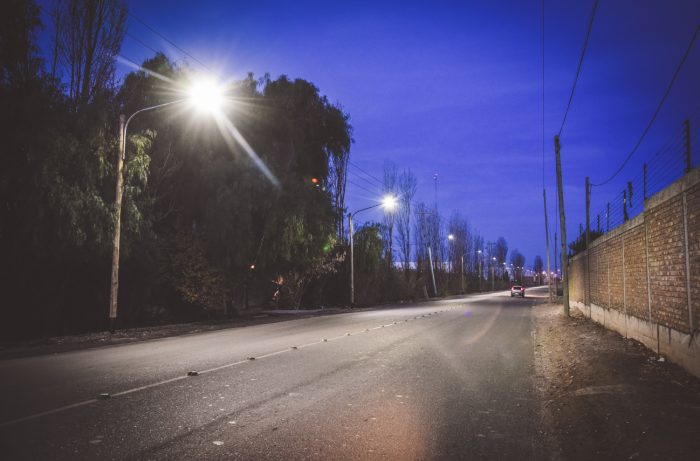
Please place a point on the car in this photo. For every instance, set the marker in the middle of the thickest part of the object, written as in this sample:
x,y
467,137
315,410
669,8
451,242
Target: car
x,y
517,290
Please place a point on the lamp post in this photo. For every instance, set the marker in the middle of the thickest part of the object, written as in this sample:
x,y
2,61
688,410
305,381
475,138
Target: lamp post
x,y
388,203
481,274
493,274
451,238
202,95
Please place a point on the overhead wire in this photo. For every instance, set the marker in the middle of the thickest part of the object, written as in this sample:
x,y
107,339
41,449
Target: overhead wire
x,y
380,182
168,40
656,112
580,64
139,41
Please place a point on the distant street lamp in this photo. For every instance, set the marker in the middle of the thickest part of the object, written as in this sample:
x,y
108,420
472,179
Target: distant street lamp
x,y
204,96
451,238
389,203
481,274
493,274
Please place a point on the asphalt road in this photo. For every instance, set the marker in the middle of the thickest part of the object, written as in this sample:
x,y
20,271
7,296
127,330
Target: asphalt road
x,y
449,379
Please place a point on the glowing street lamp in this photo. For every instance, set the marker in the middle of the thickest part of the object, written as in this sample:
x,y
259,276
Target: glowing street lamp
x,y
451,238
389,203
203,95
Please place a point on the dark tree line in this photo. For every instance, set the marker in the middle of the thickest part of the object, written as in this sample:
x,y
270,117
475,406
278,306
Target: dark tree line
x,y
204,232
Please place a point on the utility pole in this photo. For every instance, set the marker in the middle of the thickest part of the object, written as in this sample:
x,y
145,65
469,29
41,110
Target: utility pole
x,y
645,180
562,222
556,266
462,274
588,237
117,226
546,238
352,263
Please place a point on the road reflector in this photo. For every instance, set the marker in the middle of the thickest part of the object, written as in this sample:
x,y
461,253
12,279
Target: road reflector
x,y
192,373
251,358
103,396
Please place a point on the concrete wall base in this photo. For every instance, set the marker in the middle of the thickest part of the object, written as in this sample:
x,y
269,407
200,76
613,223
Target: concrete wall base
x,y
680,348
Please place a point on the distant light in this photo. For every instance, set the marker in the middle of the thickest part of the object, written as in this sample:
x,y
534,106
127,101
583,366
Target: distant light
x,y
451,237
252,267
314,180
206,96
389,202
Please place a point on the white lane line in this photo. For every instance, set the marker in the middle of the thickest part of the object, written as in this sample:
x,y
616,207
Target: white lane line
x,y
182,377
46,413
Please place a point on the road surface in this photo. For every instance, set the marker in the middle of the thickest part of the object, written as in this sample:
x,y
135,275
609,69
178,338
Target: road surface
x,y
448,379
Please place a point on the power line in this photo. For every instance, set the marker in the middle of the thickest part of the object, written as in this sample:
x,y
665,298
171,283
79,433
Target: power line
x,y
137,40
372,184
362,187
580,63
168,40
365,172
656,112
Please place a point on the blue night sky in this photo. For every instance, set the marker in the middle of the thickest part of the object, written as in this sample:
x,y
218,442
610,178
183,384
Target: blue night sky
x,y
455,88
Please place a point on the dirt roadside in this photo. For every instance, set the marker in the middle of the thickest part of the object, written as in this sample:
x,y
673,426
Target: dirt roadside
x,y
604,397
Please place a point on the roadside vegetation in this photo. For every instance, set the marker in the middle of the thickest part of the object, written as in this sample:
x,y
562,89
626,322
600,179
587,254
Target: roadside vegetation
x,y
204,233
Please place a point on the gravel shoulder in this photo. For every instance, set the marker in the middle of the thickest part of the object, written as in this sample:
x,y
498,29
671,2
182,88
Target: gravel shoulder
x,y
606,397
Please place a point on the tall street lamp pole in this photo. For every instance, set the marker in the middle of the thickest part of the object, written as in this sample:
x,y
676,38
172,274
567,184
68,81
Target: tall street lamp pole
x,y
116,237
203,95
388,203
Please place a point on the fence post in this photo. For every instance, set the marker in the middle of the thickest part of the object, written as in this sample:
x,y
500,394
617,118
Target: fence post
x,y
607,219
686,130
645,180
625,216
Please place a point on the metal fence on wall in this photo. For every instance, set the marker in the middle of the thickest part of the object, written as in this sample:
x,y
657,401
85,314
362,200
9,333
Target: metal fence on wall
x,y
664,167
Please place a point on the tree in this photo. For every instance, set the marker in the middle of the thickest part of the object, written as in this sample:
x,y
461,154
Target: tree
x,y
407,186
19,60
500,251
368,260
517,261
389,187
538,267
89,34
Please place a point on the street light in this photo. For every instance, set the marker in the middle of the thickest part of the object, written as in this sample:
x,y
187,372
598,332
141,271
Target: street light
x,y
481,273
203,95
389,203
451,238
493,274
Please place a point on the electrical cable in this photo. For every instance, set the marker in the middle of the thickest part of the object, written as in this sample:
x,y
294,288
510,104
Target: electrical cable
x,y
137,40
580,63
656,112
168,40
381,183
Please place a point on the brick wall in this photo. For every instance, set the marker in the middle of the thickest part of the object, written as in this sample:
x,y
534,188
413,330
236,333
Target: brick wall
x,y
646,259
636,295
693,215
